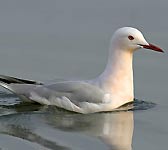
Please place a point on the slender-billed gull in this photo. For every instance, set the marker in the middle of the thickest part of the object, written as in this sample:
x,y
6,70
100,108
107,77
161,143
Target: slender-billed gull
x,y
110,90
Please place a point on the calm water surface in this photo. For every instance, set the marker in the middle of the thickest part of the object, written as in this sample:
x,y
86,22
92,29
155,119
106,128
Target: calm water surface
x,y
47,40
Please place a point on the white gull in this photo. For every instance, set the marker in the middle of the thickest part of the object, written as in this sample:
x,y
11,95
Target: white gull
x,y
112,89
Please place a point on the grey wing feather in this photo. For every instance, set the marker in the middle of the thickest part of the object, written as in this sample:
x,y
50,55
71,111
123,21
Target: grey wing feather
x,y
76,91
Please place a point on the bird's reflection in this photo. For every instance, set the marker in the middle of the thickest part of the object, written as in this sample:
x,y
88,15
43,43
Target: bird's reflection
x,y
117,130
114,129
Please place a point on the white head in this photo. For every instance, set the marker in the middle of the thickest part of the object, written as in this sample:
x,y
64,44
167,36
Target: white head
x,y
131,39
117,78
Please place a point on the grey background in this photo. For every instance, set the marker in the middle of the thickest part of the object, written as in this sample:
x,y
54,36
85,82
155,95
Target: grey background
x,y
49,39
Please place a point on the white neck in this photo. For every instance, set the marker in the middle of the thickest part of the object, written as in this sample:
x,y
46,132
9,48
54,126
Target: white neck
x,y
117,78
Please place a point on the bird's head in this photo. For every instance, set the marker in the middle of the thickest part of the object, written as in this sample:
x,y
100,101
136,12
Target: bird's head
x,y
131,39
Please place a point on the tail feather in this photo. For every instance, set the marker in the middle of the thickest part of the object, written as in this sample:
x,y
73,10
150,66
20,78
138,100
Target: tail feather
x,y
5,82
6,86
9,80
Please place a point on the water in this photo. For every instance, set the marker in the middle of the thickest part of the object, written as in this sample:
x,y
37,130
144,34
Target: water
x,y
46,40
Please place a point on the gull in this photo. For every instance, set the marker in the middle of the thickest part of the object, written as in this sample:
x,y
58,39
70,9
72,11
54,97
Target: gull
x,y
110,90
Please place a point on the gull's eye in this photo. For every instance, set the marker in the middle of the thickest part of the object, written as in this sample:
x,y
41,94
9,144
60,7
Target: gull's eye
x,y
130,37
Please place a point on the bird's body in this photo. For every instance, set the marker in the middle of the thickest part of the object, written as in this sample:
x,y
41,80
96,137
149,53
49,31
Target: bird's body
x,y
110,90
